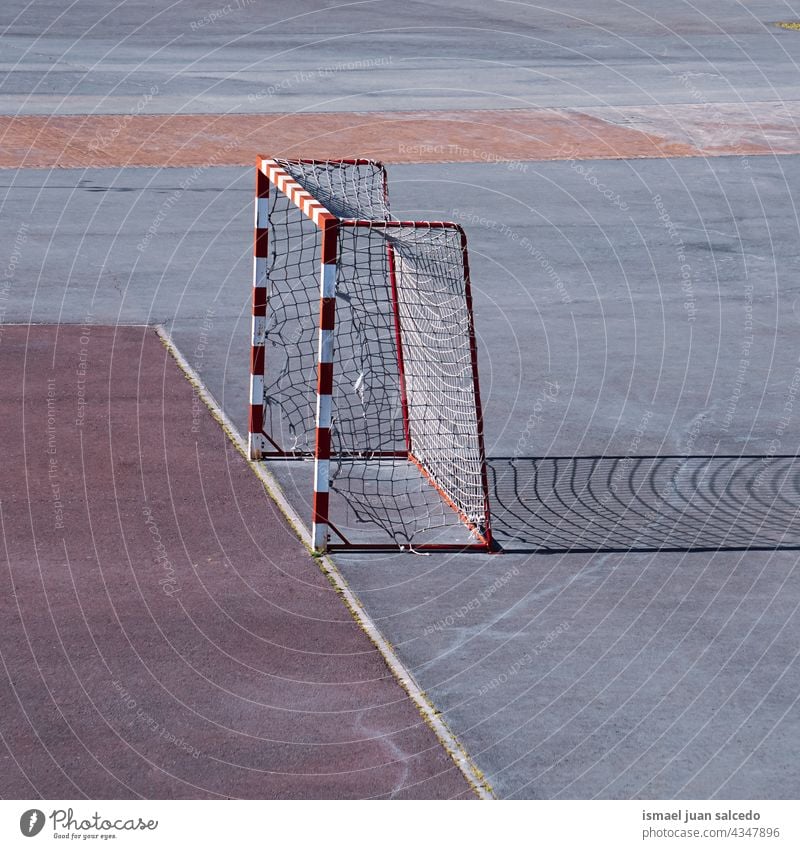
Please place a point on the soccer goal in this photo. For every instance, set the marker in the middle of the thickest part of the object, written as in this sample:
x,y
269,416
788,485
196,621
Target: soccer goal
x,y
364,361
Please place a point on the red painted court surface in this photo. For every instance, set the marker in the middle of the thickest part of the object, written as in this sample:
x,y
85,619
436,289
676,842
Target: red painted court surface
x,y
165,634
479,135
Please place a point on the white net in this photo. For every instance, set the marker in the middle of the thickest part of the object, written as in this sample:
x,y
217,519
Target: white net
x,y
407,469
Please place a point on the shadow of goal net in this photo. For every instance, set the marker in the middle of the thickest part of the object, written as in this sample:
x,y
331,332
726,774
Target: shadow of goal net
x,y
666,503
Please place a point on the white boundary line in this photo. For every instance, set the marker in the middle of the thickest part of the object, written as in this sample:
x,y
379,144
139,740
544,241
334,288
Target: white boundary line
x,y
432,717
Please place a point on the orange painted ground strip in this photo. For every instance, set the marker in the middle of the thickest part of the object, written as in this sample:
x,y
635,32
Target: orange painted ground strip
x,y
400,137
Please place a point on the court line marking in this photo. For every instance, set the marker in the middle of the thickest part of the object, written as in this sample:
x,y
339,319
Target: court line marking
x,y
433,719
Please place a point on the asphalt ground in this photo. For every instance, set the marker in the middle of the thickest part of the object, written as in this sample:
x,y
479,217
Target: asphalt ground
x,y
263,56
651,650
657,295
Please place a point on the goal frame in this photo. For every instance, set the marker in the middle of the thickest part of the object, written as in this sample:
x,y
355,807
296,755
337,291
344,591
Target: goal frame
x,y
269,173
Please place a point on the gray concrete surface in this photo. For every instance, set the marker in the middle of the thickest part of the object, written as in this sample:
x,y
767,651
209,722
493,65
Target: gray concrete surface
x,y
576,675
263,56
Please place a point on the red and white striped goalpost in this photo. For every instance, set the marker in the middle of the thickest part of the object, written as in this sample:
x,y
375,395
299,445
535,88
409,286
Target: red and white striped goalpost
x,y
261,445
322,441
257,441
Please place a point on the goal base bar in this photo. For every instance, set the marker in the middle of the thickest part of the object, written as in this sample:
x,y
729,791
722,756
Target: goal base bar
x,y
454,548
484,545
345,455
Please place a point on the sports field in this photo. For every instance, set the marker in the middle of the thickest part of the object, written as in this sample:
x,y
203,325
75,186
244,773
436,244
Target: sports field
x,y
626,179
